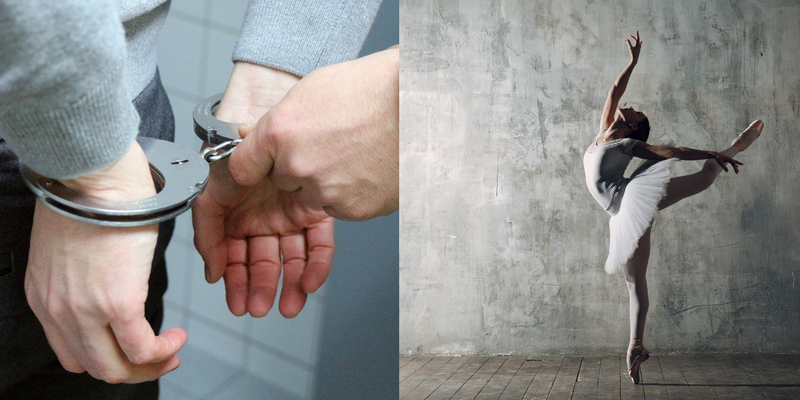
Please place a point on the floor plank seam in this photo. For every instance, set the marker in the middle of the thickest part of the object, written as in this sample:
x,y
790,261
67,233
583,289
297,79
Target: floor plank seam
x,y
683,376
490,379
416,370
553,382
473,374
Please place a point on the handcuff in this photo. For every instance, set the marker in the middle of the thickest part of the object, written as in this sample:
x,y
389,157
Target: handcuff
x,y
180,175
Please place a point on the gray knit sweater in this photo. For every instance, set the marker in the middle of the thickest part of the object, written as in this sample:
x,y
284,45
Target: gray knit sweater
x,y
69,69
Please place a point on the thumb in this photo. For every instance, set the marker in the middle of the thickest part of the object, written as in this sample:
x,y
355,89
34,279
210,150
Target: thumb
x,y
245,130
253,158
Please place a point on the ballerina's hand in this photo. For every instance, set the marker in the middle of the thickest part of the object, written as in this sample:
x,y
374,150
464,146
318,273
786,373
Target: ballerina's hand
x,y
722,159
635,48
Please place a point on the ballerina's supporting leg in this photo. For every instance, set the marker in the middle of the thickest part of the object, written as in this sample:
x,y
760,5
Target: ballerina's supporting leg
x,y
635,271
636,267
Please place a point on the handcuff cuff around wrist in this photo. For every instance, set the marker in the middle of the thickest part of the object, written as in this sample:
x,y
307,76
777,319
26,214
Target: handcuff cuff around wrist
x,y
180,175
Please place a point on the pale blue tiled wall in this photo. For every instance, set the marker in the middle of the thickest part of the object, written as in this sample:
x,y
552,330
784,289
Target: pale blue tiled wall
x,y
230,357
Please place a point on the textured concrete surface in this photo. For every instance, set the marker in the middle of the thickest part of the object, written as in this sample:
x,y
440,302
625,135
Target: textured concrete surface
x,y
502,246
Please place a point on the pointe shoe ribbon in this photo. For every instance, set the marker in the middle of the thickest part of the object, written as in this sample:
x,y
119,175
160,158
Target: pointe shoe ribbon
x,y
637,347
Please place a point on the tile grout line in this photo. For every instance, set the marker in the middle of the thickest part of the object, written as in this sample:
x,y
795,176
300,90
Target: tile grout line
x,y
185,17
748,375
242,336
214,392
205,44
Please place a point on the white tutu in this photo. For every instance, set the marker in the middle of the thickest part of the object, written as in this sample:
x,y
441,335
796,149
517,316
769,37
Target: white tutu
x,y
640,198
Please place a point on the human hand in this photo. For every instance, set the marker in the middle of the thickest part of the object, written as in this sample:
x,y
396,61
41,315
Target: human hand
x,y
635,48
722,159
242,232
87,284
332,142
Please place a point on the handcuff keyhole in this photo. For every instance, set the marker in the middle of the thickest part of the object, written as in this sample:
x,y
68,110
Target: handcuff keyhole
x,y
179,162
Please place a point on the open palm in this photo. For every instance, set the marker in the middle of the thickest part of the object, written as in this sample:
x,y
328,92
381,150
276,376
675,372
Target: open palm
x,y
249,234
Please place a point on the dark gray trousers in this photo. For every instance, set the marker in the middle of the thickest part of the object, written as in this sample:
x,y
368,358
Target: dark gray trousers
x,y
29,368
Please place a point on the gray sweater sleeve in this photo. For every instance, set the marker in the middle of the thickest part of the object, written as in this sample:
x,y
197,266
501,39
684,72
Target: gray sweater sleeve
x,y
64,107
301,36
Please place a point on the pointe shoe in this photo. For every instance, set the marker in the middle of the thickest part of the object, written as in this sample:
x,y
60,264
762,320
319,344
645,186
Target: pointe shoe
x,y
757,125
636,348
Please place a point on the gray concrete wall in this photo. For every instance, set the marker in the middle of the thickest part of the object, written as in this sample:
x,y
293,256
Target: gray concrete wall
x,y
502,246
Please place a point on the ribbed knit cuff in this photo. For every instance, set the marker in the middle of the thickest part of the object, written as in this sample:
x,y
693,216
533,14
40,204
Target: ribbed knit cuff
x,y
302,37
65,141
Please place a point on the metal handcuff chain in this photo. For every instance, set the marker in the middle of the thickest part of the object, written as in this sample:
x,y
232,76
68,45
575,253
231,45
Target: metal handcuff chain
x,y
220,151
180,175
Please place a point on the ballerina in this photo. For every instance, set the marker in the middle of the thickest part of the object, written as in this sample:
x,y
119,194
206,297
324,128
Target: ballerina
x,y
632,202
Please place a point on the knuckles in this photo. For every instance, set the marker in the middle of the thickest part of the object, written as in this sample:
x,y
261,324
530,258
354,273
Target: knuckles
x,y
112,377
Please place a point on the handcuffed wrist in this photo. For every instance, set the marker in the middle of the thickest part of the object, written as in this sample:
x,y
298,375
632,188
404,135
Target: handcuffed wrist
x,y
126,179
252,89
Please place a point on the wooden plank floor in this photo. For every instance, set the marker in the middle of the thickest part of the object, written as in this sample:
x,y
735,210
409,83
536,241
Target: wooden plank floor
x,y
701,376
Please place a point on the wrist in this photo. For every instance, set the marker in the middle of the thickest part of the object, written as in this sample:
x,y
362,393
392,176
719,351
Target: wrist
x,y
388,85
252,89
393,63
128,178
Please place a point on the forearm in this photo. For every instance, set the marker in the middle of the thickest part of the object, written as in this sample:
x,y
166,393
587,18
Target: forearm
x,y
687,154
64,108
302,36
643,150
622,80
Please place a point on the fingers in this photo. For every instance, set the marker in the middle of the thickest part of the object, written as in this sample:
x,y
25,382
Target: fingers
x,y
293,298
148,356
245,130
51,329
735,164
251,281
105,351
107,361
209,236
636,41
722,160
140,344
150,372
236,276
320,254
60,347
252,159
722,164
264,273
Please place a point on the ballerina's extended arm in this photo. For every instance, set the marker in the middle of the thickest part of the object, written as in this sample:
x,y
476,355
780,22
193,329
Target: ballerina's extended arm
x,y
616,91
648,152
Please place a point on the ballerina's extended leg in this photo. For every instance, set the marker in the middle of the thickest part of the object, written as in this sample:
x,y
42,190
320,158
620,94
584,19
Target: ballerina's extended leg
x,y
682,187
